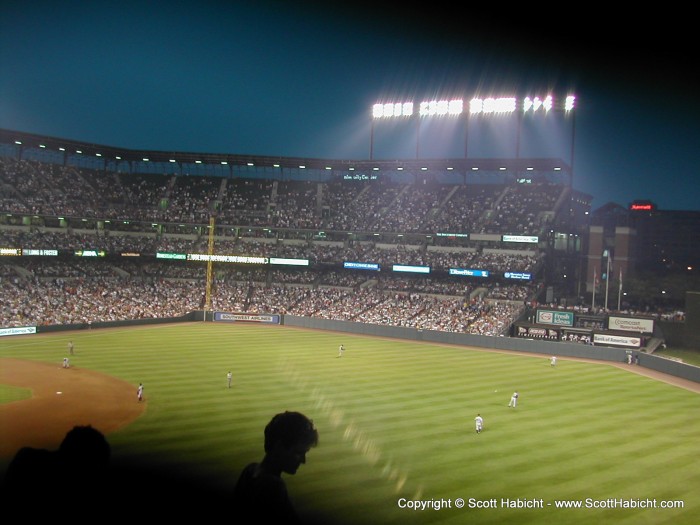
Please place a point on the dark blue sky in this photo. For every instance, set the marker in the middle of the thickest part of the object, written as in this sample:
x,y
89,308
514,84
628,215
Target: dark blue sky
x,y
299,79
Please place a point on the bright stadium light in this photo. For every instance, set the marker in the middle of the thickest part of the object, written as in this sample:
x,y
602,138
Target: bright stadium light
x,y
535,104
569,103
492,105
476,105
441,107
392,109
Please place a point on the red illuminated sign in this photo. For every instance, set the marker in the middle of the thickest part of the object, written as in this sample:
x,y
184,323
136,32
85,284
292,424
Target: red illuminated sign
x,y
642,206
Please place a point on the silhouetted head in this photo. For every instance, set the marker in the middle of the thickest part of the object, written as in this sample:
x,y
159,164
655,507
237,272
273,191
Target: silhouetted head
x,y
288,437
85,447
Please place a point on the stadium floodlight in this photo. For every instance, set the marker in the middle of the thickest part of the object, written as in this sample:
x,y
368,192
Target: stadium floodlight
x,y
569,103
392,109
506,105
492,105
535,104
476,105
441,107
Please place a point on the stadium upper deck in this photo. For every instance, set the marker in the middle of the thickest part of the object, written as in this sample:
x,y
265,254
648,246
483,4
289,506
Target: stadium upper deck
x,y
54,178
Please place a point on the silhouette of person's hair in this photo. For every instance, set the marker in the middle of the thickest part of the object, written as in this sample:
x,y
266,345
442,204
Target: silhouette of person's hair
x,y
289,429
31,468
85,452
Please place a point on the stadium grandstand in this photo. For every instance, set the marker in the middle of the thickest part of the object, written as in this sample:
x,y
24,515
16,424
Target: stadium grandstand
x,y
92,233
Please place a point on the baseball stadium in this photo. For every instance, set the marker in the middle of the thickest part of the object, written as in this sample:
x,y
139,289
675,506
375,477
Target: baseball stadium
x,y
441,280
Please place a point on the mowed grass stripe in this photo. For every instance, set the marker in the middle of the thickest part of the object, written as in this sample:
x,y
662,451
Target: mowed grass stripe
x,y
396,419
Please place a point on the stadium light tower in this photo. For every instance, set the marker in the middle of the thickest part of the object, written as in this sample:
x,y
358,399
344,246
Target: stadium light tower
x,y
476,106
569,104
389,110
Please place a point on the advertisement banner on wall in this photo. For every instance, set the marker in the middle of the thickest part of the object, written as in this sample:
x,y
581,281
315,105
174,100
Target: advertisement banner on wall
x,y
534,332
605,339
246,318
631,324
555,317
18,330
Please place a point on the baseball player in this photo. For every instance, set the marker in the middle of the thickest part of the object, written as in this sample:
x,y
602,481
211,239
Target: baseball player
x,y
513,399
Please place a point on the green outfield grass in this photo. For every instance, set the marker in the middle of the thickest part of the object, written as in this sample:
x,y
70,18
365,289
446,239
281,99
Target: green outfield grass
x,y
8,394
690,356
396,420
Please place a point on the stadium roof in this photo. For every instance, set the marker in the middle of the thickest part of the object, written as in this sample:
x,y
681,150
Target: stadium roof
x,y
103,153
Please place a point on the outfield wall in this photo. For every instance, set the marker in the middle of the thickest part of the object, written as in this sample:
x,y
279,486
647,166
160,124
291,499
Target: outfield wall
x,y
514,344
192,316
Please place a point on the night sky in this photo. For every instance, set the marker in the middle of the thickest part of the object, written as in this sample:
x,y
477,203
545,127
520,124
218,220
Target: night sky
x,y
299,79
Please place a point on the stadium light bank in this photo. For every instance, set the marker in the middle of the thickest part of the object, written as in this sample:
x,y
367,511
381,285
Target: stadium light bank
x,y
475,106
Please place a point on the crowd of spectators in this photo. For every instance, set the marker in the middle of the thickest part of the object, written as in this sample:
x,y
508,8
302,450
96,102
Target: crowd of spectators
x,y
41,291
381,205
70,290
79,301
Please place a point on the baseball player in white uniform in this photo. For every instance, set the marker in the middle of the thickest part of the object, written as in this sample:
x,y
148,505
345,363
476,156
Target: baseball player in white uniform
x,y
513,399
479,421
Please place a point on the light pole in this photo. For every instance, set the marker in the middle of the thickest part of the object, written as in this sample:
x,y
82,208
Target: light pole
x,y
607,278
